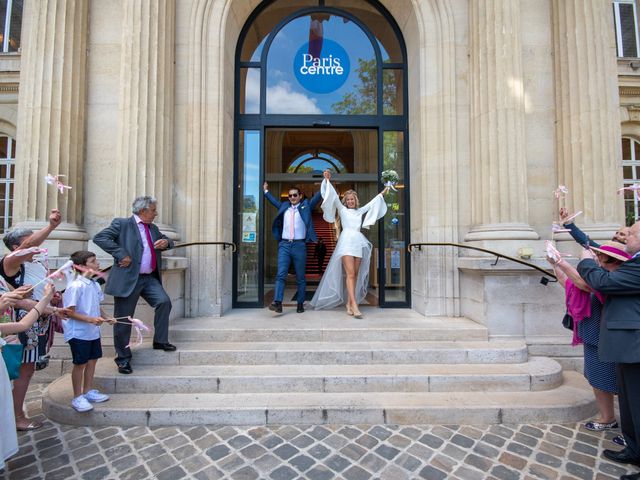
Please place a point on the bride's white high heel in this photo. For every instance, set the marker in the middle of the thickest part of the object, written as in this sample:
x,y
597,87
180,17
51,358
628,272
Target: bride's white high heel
x,y
356,313
349,310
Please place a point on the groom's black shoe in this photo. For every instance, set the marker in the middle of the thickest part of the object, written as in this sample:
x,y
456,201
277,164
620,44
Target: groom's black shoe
x,y
632,476
276,307
167,347
622,456
300,308
125,367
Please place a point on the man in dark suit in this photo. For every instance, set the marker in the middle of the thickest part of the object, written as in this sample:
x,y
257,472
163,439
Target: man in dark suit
x,y
292,228
136,245
620,340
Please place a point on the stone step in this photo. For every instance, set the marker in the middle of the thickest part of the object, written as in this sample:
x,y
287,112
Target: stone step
x,y
539,373
260,325
571,402
332,353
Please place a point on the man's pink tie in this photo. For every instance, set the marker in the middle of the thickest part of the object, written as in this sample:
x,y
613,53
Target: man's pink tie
x,y
150,242
292,224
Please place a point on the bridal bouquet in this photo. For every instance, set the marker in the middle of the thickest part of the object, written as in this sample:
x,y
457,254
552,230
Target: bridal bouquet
x,y
390,178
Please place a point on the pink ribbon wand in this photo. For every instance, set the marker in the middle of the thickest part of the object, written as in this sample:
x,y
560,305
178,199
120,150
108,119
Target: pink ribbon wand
x,y
560,192
90,271
633,188
55,180
21,252
137,324
557,228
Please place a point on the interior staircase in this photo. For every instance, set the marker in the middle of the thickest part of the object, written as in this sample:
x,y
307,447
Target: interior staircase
x,y
324,230
393,366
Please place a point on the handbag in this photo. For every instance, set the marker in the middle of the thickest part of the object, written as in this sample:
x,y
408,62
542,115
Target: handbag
x,y
567,321
12,355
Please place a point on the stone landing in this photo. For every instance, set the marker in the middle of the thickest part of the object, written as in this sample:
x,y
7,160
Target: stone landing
x,y
391,367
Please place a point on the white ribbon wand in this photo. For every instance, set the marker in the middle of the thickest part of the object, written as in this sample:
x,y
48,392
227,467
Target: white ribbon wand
x,y
60,272
553,253
390,185
55,180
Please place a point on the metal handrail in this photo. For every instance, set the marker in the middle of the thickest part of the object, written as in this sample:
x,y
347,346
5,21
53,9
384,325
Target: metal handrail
x,y
225,245
497,254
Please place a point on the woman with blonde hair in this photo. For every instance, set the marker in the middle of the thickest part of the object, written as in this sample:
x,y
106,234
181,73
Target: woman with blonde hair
x,y
346,277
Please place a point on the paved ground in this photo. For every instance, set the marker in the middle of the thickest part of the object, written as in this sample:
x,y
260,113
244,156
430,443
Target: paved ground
x,y
322,452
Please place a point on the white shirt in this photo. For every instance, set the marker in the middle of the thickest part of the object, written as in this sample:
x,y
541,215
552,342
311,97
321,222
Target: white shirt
x,y
299,228
145,261
85,295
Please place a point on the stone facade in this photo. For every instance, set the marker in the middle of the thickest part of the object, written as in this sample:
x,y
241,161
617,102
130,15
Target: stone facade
x,y
128,98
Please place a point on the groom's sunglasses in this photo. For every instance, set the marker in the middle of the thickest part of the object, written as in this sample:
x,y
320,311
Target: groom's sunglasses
x,y
293,195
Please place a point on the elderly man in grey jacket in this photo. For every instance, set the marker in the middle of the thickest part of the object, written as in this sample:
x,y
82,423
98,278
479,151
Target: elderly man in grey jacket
x,y
620,340
136,245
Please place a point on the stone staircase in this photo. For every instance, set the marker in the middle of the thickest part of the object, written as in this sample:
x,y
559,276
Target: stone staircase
x,y
393,366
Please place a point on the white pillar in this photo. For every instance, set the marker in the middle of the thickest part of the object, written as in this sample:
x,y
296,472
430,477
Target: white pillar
x,y
499,206
51,119
145,140
587,115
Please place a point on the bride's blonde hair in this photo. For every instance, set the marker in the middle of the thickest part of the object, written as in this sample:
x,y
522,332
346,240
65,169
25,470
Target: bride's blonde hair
x,y
350,192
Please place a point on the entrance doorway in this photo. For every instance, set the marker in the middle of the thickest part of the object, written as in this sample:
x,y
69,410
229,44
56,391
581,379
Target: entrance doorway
x,y
297,158
319,86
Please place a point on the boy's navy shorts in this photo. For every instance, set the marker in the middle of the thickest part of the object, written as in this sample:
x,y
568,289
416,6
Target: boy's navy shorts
x,y
84,350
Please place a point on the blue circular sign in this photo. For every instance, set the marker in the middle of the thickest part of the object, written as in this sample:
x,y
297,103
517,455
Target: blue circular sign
x,y
325,72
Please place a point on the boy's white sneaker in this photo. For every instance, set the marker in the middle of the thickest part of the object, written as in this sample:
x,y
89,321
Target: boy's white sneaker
x,y
81,404
94,396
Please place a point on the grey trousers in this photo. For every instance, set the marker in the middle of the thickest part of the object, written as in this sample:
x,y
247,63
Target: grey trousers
x,y
149,288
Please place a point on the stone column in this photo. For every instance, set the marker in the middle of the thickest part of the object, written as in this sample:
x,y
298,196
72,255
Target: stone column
x,y
587,116
145,140
51,119
498,164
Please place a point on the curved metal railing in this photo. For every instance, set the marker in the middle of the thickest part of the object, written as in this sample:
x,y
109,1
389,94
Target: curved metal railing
x,y
225,245
492,252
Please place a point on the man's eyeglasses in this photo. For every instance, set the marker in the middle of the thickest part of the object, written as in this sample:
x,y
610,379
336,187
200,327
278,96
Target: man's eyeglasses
x,y
293,195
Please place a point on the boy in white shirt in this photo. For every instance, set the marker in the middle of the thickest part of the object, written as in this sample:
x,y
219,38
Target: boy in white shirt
x,y
82,330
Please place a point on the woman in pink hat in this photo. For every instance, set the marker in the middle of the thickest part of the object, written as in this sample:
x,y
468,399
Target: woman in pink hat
x,y
585,307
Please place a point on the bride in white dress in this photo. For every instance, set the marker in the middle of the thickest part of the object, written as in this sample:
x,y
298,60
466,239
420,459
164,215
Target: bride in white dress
x,y
346,278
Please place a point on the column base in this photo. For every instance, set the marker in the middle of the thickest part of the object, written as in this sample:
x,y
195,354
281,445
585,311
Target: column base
x,y
501,231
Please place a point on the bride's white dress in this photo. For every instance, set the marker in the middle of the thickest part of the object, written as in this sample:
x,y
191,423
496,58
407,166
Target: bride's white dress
x,y
332,289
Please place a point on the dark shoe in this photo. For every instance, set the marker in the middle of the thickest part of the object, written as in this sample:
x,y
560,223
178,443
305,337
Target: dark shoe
x,y
300,308
167,347
621,456
619,440
276,307
125,368
631,476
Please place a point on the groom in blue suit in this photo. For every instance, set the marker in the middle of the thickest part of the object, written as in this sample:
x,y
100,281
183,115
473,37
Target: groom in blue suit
x,y
292,228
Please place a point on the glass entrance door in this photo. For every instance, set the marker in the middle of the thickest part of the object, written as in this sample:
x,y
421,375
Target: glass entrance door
x,y
296,157
320,84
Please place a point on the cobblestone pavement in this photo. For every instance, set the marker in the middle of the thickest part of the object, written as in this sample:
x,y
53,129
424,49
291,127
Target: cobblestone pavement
x,y
351,452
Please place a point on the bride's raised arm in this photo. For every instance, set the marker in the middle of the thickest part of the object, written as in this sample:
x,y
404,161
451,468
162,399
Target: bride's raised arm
x,y
375,209
330,199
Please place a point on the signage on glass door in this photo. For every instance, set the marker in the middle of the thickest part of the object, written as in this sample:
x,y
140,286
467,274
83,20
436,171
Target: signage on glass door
x,y
325,72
